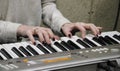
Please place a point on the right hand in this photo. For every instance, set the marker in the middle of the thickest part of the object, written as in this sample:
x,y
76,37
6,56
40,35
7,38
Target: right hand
x,y
44,34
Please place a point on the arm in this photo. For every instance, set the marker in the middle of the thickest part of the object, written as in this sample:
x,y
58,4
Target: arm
x,y
8,31
52,16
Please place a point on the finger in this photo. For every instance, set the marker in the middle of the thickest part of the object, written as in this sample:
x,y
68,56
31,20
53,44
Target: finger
x,y
30,35
56,37
41,37
100,29
68,33
94,30
50,33
46,37
81,28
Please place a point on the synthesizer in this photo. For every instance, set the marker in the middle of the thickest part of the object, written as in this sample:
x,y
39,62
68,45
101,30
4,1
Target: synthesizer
x,y
63,53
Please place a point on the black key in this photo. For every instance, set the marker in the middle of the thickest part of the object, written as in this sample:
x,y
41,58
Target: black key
x,y
5,53
17,52
117,37
99,41
105,40
1,58
48,46
60,46
82,43
73,44
67,46
24,51
112,40
42,49
89,42
32,50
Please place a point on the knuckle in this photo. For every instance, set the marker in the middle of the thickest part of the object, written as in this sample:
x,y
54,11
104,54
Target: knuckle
x,y
84,30
92,24
28,32
48,29
81,23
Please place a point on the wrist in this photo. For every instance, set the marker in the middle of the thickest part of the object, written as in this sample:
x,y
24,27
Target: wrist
x,y
21,30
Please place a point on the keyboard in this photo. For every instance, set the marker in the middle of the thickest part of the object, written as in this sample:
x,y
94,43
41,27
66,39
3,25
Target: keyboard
x,y
63,53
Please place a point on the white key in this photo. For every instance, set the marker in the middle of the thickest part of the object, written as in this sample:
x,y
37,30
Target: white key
x,y
34,47
63,46
20,44
90,37
2,54
8,48
17,45
37,42
66,39
55,47
110,34
76,37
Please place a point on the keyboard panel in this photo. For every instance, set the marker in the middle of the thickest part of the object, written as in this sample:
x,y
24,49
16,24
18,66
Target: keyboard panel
x,y
63,53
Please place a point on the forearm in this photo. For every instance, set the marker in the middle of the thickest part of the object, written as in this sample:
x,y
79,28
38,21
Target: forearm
x,y
8,31
53,17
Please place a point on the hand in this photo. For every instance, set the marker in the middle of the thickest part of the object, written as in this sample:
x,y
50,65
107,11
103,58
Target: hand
x,y
44,34
69,29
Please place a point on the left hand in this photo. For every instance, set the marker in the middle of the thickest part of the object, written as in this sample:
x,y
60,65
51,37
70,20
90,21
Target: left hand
x,y
69,29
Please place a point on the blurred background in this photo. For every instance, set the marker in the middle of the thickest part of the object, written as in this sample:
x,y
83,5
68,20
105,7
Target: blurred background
x,y
100,12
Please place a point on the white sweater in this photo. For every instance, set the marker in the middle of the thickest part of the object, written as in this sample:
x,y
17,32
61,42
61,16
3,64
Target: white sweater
x,y
29,12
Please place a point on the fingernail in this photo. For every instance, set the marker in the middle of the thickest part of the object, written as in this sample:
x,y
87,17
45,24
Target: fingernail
x,y
53,39
100,32
69,36
34,43
43,42
96,35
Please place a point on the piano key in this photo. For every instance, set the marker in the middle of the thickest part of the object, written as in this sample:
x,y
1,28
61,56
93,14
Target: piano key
x,y
25,44
55,47
1,58
42,47
8,48
111,39
101,42
60,46
24,51
90,38
32,47
81,42
17,47
32,50
111,34
117,37
105,40
5,53
72,43
15,50
48,46
2,54
67,45
89,42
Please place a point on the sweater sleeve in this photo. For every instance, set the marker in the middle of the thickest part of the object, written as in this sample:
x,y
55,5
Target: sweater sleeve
x,y
52,16
8,31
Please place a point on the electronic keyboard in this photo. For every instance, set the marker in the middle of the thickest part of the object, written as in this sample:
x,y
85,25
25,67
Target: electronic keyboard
x,y
63,53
